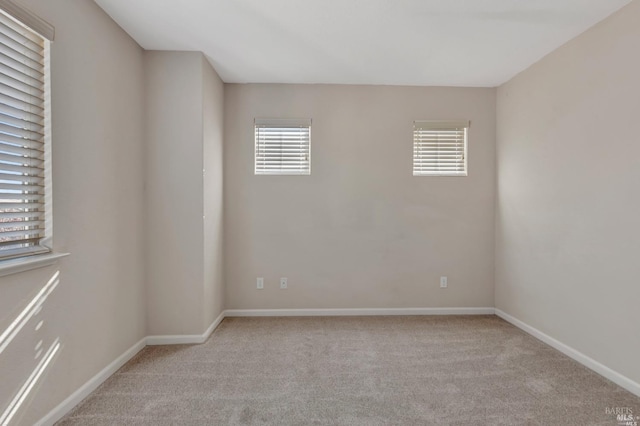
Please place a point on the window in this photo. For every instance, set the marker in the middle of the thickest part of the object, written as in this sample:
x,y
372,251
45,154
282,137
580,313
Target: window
x,y
283,147
24,132
440,148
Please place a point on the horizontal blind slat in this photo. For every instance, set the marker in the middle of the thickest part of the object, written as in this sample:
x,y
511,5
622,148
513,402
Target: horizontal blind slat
x,y
10,140
21,95
20,36
18,207
24,133
21,160
7,216
21,75
21,151
25,170
19,43
20,187
14,248
29,60
38,180
428,163
22,124
19,225
21,14
22,235
18,84
19,198
21,114
282,161
282,140
28,105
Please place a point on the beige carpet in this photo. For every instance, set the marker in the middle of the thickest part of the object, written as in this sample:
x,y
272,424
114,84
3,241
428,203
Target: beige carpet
x,y
356,371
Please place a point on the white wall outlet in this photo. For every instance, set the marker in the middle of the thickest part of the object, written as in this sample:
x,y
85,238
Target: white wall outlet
x,y
443,282
283,283
260,283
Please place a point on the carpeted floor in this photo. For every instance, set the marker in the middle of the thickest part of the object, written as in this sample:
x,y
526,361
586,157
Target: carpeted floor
x,y
418,370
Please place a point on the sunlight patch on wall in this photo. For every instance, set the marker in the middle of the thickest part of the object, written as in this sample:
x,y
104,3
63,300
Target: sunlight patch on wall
x,y
15,342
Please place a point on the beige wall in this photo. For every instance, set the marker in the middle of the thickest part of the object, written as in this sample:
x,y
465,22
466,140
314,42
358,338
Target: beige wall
x,y
97,311
174,191
184,125
122,232
212,120
568,236
361,231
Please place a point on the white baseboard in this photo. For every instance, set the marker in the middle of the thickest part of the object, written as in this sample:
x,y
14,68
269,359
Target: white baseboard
x,y
75,398
65,406
68,404
186,339
578,356
355,312
93,383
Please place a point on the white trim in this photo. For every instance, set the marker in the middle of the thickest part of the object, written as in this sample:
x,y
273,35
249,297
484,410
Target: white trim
x,y
28,386
288,122
578,356
186,339
22,264
84,391
355,312
75,398
68,404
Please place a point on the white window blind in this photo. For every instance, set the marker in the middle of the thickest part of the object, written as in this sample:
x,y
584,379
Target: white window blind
x,y
440,148
283,147
23,55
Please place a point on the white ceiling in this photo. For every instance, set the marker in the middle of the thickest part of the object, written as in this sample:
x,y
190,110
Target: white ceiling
x,y
393,42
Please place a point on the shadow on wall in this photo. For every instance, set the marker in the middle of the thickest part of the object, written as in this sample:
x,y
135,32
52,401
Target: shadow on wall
x,y
23,344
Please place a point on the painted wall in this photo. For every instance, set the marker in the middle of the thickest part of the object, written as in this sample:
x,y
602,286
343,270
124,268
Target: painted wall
x,y
213,121
97,311
567,233
184,125
360,231
174,192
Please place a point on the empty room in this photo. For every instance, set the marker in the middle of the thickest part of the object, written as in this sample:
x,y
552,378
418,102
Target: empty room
x,y
286,212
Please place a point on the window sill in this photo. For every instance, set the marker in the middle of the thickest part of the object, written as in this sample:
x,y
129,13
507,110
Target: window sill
x,y
22,264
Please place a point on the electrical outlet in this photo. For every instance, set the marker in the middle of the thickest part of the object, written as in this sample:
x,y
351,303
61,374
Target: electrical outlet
x,y
283,283
260,283
443,282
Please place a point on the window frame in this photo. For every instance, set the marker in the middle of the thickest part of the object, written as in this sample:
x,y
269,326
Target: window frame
x,y
259,166
14,258
441,126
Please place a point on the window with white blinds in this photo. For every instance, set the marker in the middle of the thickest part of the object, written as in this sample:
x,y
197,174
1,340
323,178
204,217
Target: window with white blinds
x,y
283,147
440,148
23,134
